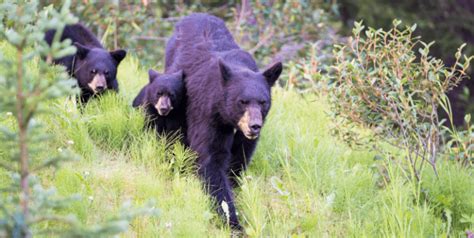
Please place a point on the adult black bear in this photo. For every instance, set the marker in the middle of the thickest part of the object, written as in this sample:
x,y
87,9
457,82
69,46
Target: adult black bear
x,y
163,99
94,68
228,100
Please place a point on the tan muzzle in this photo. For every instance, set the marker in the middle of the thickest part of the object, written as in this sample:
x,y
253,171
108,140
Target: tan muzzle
x,y
251,123
163,106
98,83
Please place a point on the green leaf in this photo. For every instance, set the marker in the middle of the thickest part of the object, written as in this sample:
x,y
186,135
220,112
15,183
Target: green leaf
x,y
14,37
467,118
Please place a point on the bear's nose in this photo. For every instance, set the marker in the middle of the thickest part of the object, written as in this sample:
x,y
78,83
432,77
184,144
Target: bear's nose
x,y
164,110
255,128
100,88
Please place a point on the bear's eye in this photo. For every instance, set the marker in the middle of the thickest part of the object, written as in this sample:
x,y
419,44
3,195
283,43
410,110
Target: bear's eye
x,y
262,102
106,73
244,102
93,71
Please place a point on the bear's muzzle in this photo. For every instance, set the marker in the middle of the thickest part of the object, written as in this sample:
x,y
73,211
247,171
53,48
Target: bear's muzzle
x,y
251,122
163,106
98,83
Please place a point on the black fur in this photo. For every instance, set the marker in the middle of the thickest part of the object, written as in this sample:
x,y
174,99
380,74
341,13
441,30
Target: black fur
x,y
164,84
90,56
222,81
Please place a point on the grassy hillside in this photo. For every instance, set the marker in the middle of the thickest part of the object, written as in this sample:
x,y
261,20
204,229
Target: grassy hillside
x,y
302,180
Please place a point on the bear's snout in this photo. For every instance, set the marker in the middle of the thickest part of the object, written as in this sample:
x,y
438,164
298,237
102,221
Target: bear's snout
x,y
98,83
163,106
251,123
255,128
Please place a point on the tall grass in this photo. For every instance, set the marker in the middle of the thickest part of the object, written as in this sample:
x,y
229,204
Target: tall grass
x,y
302,181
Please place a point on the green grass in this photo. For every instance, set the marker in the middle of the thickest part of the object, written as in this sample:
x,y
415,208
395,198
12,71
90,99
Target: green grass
x,y
302,181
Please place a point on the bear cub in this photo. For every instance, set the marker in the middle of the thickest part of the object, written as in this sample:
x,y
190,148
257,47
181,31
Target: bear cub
x,y
94,68
163,100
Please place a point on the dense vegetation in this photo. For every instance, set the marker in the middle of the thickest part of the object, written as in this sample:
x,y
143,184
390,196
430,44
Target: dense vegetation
x,y
446,22
321,169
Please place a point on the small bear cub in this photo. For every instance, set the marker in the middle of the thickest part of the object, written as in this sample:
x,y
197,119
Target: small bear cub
x,y
163,100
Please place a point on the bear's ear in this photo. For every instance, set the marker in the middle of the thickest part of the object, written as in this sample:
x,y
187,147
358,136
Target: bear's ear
x,y
82,50
225,70
272,73
118,55
152,75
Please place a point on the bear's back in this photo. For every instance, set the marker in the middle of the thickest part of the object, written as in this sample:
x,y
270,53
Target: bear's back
x,y
204,29
200,39
77,33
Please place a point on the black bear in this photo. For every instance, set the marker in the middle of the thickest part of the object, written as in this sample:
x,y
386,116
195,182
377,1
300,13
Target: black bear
x,y
228,100
163,100
94,68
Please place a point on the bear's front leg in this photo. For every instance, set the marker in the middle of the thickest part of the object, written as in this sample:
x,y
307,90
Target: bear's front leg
x,y
84,97
242,151
213,170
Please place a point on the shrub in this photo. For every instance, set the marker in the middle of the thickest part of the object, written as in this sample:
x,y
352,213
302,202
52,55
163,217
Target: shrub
x,y
381,83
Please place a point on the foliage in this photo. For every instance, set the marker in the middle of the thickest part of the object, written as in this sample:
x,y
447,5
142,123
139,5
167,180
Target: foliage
x,y
281,30
448,22
264,28
383,85
461,142
128,24
142,27
308,74
28,84
451,196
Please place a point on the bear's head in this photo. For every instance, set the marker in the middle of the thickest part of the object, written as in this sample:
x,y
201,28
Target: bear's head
x,y
165,91
96,69
248,96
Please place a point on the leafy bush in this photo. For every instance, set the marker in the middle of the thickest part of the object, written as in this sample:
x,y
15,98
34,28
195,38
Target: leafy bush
x,y
382,84
448,22
309,74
